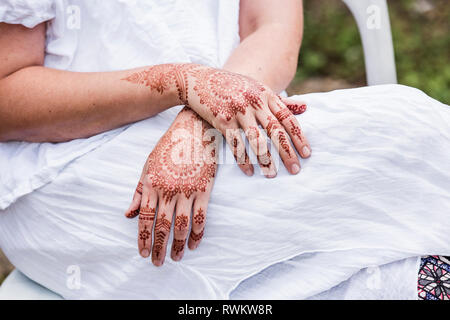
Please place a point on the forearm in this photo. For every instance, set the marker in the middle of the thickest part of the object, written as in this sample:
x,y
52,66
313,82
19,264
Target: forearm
x,y
268,55
42,104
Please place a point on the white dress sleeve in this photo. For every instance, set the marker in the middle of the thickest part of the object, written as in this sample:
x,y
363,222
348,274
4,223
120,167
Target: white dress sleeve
x,y
26,12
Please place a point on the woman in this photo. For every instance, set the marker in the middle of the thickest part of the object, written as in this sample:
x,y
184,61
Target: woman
x,y
72,193
66,105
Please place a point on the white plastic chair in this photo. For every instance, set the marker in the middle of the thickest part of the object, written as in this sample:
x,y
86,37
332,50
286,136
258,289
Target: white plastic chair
x,y
372,18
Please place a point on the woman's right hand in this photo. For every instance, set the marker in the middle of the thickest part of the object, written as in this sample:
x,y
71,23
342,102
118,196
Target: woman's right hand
x,y
230,102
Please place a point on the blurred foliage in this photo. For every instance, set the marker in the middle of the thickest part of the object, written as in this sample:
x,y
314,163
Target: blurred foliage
x,y
332,46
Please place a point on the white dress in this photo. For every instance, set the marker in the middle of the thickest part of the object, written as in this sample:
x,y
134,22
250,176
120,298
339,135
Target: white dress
x,y
378,178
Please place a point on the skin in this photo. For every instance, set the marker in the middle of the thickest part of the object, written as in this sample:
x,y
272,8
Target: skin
x,y
255,25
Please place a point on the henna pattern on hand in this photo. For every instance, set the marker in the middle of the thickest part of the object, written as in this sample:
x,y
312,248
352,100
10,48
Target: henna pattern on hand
x,y
161,78
297,108
144,235
199,218
147,214
296,131
283,114
273,126
133,213
197,236
172,176
226,93
181,222
178,245
264,160
162,229
139,188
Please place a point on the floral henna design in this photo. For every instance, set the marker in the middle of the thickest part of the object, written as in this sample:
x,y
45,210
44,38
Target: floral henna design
x,y
181,222
161,78
197,236
226,93
172,176
296,131
144,235
199,218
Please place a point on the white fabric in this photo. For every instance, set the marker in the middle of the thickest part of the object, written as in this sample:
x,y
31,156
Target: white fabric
x,y
338,270
378,179
18,287
374,283
110,35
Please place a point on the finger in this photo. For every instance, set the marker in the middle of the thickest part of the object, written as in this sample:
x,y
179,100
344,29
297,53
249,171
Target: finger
x,y
279,136
162,231
290,123
133,210
146,219
258,143
198,221
237,146
295,106
181,228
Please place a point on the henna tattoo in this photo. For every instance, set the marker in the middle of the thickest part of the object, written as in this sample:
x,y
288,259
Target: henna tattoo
x,y
162,229
283,114
147,214
296,131
162,77
139,188
271,126
297,108
144,235
197,236
264,160
274,125
133,213
178,245
284,143
199,218
181,222
172,176
157,78
226,93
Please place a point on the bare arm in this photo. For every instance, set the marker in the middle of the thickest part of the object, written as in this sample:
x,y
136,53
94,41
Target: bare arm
x,y
42,104
271,34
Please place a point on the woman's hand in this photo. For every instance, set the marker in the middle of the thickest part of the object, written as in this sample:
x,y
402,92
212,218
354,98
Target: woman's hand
x,y
229,102
178,176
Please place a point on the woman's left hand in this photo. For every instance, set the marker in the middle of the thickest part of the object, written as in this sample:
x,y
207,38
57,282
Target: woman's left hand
x,y
178,176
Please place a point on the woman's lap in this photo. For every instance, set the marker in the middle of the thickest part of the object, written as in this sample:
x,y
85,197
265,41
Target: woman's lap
x,y
376,176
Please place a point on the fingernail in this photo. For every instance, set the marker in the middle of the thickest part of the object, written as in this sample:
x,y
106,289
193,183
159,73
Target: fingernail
x,y
272,174
295,168
306,152
249,172
145,253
